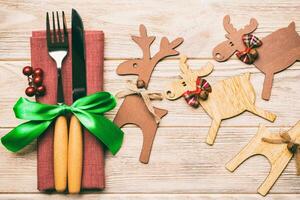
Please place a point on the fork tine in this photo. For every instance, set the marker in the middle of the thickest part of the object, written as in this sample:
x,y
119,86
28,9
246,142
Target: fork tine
x,y
54,29
58,28
65,28
48,29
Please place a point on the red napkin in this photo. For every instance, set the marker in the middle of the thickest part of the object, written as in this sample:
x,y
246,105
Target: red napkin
x,y
93,160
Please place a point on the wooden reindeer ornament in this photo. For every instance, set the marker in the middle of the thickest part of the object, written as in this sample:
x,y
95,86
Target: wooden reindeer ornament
x,y
136,108
278,51
277,148
228,98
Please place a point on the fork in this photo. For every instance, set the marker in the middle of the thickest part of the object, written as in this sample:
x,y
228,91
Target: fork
x,y
57,43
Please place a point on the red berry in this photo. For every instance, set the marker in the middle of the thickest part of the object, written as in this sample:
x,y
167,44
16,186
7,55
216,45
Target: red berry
x,y
41,90
38,72
27,71
38,80
30,91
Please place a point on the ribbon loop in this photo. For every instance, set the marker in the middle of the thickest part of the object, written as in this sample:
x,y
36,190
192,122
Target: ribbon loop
x,y
146,96
202,91
250,54
89,110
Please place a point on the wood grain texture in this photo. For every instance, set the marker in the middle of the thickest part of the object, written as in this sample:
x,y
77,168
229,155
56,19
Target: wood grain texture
x,y
285,87
181,162
198,22
277,154
150,197
182,166
228,99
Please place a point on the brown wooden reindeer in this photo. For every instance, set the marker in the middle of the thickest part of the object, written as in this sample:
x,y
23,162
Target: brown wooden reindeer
x,y
279,50
134,109
276,153
229,97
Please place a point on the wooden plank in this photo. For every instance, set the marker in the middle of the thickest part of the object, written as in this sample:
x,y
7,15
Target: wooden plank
x,y
97,196
198,22
180,163
285,93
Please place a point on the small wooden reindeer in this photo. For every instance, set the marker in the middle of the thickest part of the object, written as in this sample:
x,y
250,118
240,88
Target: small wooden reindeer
x,y
278,51
277,148
135,109
228,98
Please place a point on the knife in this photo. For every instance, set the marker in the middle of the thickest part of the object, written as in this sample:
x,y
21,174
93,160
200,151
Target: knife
x,y
75,151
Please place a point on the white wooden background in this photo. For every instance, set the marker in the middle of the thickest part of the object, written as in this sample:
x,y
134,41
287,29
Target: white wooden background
x,y
182,166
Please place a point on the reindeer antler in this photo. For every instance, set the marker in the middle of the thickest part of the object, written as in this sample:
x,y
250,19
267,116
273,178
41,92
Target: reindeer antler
x,y
247,29
250,27
227,25
144,41
183,64
167,48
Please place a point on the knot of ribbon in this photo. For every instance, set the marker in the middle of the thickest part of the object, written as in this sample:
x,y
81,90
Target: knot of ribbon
x,y
89,110
146,96
292,146
250,54
202,91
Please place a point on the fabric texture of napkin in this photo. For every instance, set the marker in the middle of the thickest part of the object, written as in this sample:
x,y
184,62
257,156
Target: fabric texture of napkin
x,y
93,157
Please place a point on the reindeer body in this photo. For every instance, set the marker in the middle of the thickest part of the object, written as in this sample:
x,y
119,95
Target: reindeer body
x,y
229,97
236,87
129,113
133,109
277,154
279,50
278,45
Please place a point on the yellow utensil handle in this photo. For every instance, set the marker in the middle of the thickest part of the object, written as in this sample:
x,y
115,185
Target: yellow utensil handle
x,y
75,156
60,153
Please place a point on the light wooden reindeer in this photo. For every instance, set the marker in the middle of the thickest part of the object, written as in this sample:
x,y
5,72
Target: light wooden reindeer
x,y
277,154
229,97
133,109
279,50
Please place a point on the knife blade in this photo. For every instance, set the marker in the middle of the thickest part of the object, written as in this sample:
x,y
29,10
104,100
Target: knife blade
x,y
78,57
79,89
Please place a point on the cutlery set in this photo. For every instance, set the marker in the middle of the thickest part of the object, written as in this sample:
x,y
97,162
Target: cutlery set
x,y
68,145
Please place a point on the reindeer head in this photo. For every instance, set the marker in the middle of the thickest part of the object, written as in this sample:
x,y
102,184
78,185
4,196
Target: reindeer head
x,y
143,67
188,79
224,50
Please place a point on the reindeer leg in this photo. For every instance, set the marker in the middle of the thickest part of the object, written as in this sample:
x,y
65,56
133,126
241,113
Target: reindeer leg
x,y
276,170
261,112
243,155
120,121
266,93
249,150
213,130
148,138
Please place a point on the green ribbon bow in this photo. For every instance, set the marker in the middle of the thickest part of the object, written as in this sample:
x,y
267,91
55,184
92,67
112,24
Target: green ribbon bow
x,y
89,110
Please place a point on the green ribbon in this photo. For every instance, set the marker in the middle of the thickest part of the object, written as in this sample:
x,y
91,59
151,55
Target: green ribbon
x,y
89,110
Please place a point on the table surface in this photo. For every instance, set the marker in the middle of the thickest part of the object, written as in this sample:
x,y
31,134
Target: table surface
x,y
181,166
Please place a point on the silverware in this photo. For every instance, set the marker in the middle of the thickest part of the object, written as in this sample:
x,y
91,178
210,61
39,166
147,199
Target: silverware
x,y
57,43
75,155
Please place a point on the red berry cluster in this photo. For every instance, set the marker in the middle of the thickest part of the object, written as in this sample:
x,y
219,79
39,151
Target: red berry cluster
x,y
35,81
